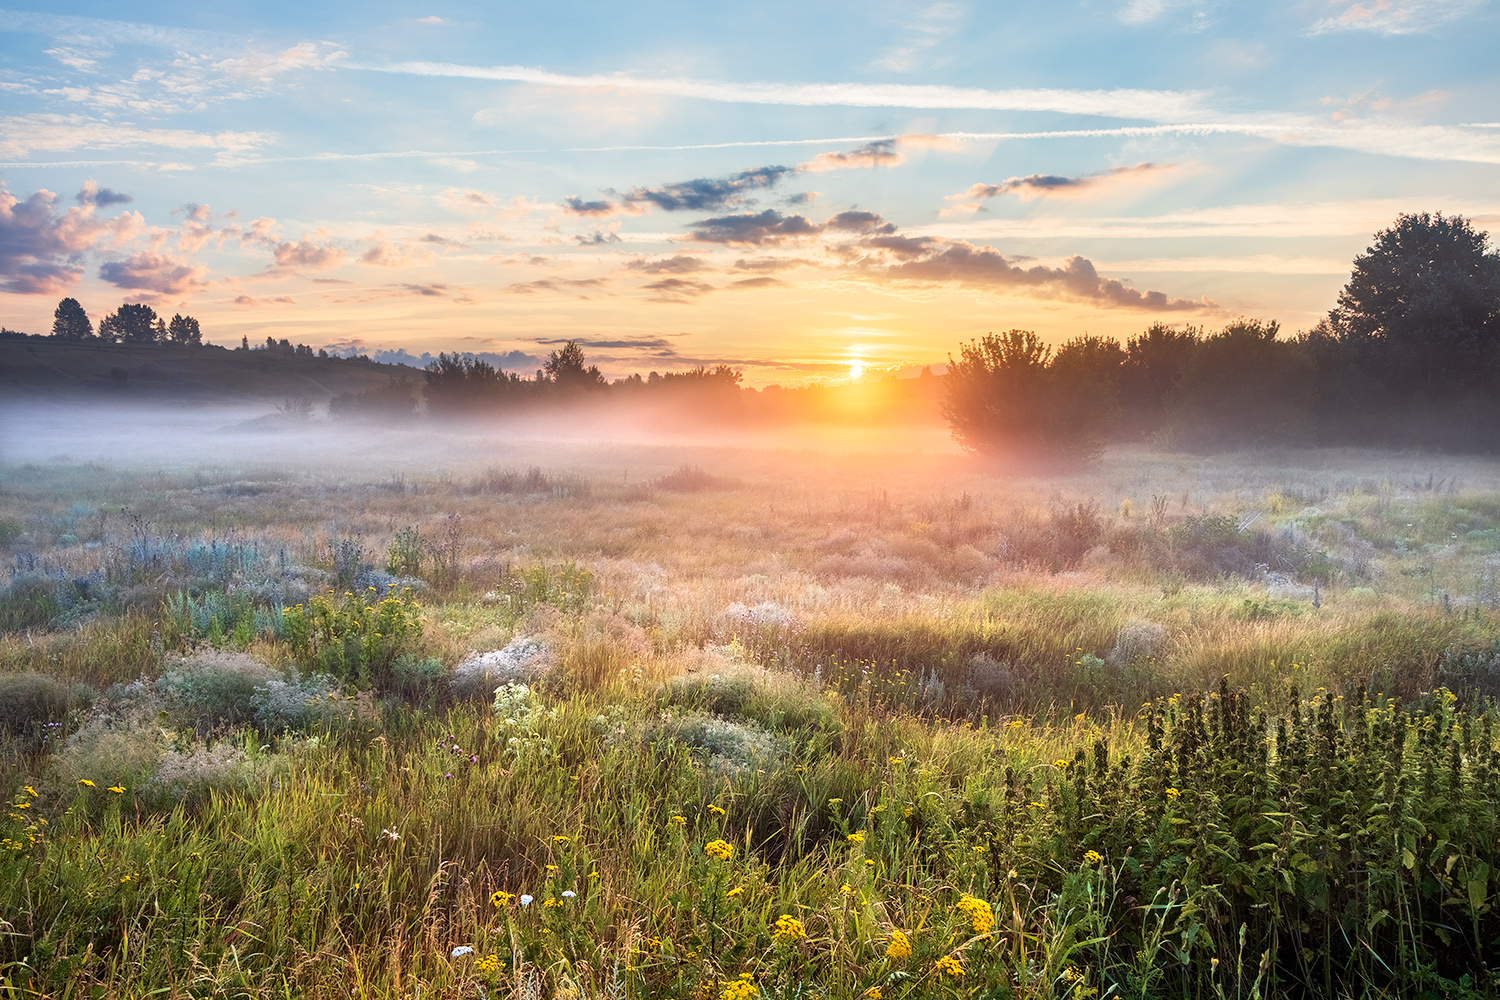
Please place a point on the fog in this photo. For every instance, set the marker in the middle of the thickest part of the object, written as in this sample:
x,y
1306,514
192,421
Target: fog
x,y
156,436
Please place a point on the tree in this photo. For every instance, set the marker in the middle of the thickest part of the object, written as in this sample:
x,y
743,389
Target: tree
x,y
1421,310
133,324
1004,399
70,322
1243,386
564,367
184,330
1154,363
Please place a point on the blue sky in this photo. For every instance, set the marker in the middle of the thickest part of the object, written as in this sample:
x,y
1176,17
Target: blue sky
x,y
796,189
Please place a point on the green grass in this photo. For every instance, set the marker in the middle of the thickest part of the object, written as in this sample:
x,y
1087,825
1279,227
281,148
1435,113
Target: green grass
x,y
906,704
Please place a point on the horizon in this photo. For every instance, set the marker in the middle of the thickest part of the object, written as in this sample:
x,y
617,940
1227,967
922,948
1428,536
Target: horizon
x,y
672,192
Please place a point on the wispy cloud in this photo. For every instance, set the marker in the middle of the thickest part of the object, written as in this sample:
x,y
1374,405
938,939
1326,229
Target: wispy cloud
x,y
1052,185
880,153
1395,17
23,135
1148,104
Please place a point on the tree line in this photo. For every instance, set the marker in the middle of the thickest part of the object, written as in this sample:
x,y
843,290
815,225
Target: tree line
x,y
1409,356
132,323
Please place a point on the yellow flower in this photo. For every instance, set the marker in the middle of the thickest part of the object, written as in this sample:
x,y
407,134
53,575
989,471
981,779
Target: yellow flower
x,y
86,783
900,946
846,889
873,993
721,850
502,898
949,965
1173,793
1059,762
788,929
979,912
855,838
490,963
22,805
561,839
737,890
896,760
117,789
715,811
1093,857
32,792
679,820
742,988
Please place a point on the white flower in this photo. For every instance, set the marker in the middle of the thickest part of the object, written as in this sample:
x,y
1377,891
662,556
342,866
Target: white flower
x,y
392,833
569,894
525,900
461,950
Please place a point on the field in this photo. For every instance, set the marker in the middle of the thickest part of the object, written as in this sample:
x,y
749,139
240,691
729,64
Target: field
x,y
459,715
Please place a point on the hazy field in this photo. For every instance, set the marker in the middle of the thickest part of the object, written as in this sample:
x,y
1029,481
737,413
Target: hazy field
x,y
851,679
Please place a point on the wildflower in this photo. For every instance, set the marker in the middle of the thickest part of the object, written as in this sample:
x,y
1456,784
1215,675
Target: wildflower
x,y
525,899
978,848
869,863
950,965
846,889
552,901
391,833
737,890
896,760
552,868
569,894
788,929
488,964
721,850
1093,857
1060,763
1173,793
502,898
1015,724
462,950
593,874
715,811
679,820
900,946
86,783
855,838
742,988
1036,805
22,805
561,839
32,792
979,913
1012,874
873,993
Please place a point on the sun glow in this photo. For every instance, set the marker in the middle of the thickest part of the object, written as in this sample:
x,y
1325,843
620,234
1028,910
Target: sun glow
x,y
855,371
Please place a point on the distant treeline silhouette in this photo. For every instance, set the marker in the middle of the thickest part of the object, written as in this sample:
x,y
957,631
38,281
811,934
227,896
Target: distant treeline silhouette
x,y
1409,357
132,323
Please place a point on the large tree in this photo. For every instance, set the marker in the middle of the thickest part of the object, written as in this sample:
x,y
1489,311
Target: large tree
x,y
1244,386
565,367
133,323
70,322
184,330
1421,312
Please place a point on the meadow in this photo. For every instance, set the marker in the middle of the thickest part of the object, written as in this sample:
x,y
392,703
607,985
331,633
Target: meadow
x,y
557,719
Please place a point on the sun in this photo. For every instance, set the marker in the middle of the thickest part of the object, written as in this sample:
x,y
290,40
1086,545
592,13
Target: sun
x,y
855,371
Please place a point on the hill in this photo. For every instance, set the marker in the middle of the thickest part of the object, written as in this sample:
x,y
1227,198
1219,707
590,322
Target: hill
x,y
47,367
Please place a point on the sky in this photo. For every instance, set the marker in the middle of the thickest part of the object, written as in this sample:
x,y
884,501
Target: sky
x,y
805,191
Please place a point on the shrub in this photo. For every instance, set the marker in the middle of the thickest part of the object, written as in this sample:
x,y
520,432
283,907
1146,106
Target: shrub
x,y
31,702
524,660
729,748
214,689
298,702
352,639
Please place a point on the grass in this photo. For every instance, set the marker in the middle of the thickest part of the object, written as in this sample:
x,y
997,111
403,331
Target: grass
x,y
820,730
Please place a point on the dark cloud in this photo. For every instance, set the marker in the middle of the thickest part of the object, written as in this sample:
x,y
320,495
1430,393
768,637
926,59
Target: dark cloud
x,y
706,194
764,281
860,222
1040,185
597,238
903,247
575,205
766,228
575,286
964,263
435,290
441,241
155,274
102,197
678,289
641,343
680,264
802,198
41,249
880,153
248,300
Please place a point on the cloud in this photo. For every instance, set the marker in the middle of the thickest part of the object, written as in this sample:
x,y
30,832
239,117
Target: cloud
x,y
963,263
575,205
41,251
707,194
640,343
434,290
598,237
932,23
1149,104
305,256
767,228
197,212
1395,17
1045,185
249,300
263,66
93,194
159,275
433,19
880,153
762,265
576,286
764,281
678,289
679,264
770,227
385,254
23,135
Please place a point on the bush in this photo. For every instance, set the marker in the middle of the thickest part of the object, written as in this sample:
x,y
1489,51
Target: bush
x,y
212,690
298,702
31,702
524,660
350,639
729,748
